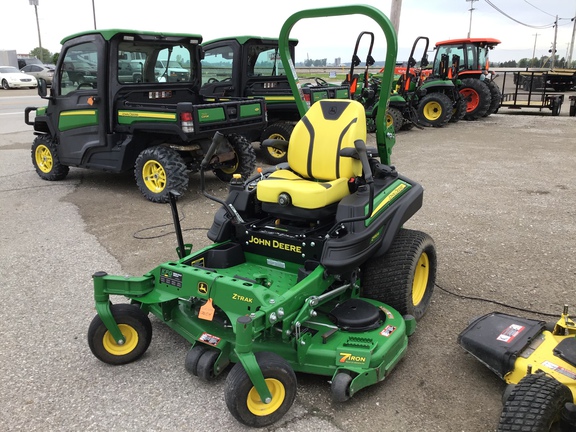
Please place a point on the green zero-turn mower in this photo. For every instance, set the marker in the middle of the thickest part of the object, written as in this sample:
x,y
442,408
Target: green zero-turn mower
x,y
537,360
311,270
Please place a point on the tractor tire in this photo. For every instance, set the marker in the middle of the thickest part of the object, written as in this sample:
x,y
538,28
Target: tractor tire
x,y
434,109
278,130
394,118
135,327
159,170
495,97
244,162
243,400
45,159
534,404
404,276
477,96
459,109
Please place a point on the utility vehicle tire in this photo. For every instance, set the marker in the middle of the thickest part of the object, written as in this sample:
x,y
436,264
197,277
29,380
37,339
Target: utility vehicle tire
x,y
5,85
495,97
192,357
394,118
206,362
477,96
45,159
534,404
340,388
135,327
244,163
159,170
278,130
458,109
242,398
434,109
404,276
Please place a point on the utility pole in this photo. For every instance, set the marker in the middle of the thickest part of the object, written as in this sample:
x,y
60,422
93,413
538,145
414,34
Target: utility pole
x,y
572,42
94,14
471,9
395,10
554,44
534,50
35,4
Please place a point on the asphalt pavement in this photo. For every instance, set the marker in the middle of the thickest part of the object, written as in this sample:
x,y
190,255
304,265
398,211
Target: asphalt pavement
x,y
499,202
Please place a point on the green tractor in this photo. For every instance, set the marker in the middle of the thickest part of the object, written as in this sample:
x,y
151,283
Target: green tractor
x,y
473,77
311,269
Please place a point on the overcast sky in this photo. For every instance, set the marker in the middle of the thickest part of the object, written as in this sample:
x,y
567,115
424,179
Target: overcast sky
x,y
436,19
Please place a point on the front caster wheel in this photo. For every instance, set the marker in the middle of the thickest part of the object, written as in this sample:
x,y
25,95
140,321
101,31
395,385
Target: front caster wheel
x,y
340,387
135,327
243,400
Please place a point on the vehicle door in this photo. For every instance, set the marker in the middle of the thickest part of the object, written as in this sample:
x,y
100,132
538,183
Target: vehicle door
x,y
78,110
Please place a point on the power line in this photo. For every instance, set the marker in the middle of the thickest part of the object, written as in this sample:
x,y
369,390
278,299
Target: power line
x,y
515,20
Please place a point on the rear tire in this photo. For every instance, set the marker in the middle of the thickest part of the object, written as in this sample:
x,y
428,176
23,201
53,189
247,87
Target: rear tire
x,y
244,162
159,170
495,97
46,160
434,109
278,130
477,96
394,118
534,404
404,276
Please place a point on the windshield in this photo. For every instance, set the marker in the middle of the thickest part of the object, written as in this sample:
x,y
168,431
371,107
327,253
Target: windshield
x,y
9,69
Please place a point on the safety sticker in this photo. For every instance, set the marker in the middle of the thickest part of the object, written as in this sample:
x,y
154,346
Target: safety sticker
x,y
510,333
559,369
171,277
209,339
388,330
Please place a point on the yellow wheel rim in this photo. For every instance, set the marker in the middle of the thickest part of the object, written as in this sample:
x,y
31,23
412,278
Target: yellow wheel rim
x,y
432,110
389,120
232,168
420,282
43,158
259,408
275,152
130,341
154,176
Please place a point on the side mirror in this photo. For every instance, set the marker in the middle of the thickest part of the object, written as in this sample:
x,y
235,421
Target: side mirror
x,y
42,88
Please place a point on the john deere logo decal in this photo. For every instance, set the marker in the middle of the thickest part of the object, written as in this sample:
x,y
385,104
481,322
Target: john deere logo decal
x,y
202,287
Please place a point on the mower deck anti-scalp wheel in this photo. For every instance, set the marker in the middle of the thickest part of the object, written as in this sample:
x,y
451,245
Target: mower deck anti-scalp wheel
x,y
159,170
192,357
243,400
404,276
45,159
477,96
243,163
434,109
340,388
534,404
278,130
135,327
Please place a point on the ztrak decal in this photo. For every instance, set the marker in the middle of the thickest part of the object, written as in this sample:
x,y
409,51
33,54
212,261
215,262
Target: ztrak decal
x,y
386,198
242,298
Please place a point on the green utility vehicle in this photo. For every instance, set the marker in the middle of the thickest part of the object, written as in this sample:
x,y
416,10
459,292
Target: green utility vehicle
x,y
311,269
249,66
127,100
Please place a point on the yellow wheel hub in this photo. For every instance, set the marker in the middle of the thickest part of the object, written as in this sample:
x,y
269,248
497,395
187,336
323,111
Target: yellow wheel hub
x,y
275,152
259,408
43,158
420,282
154,176
389,120
130,341
432,110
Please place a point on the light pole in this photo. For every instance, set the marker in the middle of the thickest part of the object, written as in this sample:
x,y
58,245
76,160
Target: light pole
x,y
94,14
35,4
471,9
533,51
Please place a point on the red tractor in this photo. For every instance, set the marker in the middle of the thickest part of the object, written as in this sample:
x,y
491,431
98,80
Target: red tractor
x,y
473,77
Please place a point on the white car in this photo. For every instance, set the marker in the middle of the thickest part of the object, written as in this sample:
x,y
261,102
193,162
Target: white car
x,y
11,77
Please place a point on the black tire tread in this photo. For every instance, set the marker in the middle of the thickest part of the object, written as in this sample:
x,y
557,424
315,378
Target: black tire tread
x,y
483,93
444,102
247,158
282,128
59,171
